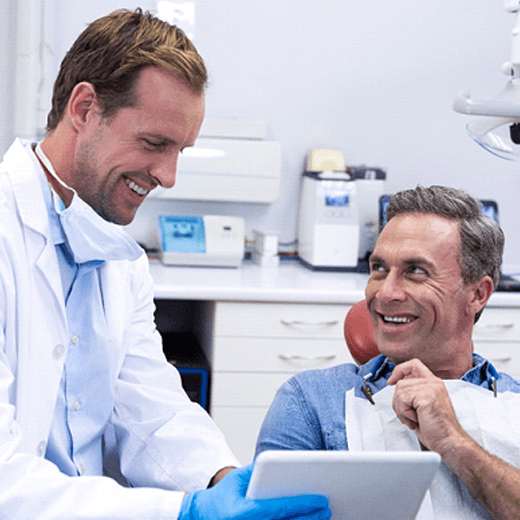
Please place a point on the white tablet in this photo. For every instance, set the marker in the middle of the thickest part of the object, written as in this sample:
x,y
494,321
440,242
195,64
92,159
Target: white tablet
x,y
360,485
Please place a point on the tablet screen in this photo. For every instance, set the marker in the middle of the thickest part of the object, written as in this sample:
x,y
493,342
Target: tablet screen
x,y
359,485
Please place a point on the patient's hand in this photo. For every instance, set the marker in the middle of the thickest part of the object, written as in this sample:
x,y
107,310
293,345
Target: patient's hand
x,y
421,402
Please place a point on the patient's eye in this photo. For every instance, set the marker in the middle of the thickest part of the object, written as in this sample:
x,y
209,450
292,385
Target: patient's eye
x,y
417,271
377,267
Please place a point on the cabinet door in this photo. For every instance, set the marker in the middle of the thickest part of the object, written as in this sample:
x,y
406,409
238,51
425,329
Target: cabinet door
x,y
245,388
497,337
505,357
240,425
498,324
258,346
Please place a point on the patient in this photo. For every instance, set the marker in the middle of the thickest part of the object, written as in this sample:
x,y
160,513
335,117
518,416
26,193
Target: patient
x,y
434,268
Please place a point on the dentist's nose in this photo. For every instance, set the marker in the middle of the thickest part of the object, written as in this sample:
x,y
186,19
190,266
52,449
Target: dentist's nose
x,y
165,171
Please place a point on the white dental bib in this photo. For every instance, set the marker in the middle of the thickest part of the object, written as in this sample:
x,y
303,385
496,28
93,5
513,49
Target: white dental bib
x,y
493,422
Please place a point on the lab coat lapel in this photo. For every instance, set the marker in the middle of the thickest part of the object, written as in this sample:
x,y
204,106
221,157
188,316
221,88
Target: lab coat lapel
x,y
33,213
43,333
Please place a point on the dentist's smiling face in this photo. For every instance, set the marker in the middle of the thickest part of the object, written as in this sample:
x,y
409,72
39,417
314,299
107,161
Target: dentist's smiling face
x,y
119,160
415,294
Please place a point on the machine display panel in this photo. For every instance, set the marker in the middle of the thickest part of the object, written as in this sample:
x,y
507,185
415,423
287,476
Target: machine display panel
x,y
182,234
341,199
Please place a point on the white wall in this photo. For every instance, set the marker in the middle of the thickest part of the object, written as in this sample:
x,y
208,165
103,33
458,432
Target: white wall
x,y
7,55
374,79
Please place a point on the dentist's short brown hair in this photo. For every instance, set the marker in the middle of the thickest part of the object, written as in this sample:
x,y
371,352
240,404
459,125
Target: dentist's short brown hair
x,y
112,51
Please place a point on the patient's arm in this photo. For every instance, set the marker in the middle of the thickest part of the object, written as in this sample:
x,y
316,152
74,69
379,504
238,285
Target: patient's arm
x,y
491,481
422,402
287,424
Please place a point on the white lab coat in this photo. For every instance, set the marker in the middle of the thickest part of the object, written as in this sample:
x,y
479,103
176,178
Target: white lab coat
x,y
164,440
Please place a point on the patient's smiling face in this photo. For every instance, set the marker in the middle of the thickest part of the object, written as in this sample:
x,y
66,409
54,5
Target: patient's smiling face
x,y
416,296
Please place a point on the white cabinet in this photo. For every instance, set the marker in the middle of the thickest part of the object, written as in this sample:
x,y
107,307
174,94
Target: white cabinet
x,y
496,336
256,347
254,342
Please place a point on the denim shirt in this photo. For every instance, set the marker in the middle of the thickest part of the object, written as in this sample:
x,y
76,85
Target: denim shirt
x,y
308,411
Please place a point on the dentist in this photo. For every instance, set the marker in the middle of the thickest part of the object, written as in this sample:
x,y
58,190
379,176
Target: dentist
x,y
83,379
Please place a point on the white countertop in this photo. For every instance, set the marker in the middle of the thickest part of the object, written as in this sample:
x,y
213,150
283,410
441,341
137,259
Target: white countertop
x,y
290,282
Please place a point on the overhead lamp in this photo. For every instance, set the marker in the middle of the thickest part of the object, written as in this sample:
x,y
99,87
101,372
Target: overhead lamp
x,y
499,133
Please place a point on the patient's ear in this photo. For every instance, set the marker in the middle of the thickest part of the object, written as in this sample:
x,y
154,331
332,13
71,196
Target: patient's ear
x,y
482,291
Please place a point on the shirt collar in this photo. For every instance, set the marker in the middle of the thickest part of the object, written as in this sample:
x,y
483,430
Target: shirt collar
x,y
383,371
58,237
481,374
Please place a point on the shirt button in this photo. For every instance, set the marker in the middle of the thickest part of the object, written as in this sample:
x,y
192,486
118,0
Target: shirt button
x,y
40,449
58,351
76,405
74,339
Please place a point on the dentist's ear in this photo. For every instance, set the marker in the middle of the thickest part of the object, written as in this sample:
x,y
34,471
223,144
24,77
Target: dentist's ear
x,y
82,105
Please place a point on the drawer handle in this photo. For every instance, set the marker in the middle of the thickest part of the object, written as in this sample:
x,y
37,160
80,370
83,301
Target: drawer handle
x,y
285,357
494,326
296,323
505,359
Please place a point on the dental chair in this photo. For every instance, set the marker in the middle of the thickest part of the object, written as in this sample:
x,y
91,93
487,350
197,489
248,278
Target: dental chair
x,y
359,333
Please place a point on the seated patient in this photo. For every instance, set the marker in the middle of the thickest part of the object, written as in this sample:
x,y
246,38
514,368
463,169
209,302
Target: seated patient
x,y
434,268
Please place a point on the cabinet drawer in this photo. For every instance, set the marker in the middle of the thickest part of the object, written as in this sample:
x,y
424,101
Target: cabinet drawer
x,y
505,357
244,389
278,354
279,320
498,324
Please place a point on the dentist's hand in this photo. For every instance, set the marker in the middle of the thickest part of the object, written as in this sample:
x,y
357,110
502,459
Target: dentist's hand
x,y
227,500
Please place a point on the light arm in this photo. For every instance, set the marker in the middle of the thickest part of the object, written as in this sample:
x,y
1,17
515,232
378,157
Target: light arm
x,y
491,481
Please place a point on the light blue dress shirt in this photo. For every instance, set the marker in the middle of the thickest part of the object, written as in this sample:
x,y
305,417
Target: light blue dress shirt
x,y
85,400
308,412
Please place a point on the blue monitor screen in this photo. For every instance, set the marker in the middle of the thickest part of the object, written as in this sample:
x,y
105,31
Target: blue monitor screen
x,y
489,208
182,234
337,200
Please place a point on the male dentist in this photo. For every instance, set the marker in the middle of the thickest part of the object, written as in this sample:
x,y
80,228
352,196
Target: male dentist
x,y
81,363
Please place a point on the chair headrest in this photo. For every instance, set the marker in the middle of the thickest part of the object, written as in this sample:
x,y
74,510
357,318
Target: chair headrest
x,y
360,334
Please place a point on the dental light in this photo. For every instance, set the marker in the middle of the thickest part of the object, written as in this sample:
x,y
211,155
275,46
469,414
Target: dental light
x,y
500,132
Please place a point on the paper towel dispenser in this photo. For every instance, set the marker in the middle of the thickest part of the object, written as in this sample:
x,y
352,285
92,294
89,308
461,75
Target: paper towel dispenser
x,y
228,169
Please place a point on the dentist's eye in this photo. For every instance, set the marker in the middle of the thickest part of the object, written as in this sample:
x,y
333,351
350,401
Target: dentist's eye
x,y
154,145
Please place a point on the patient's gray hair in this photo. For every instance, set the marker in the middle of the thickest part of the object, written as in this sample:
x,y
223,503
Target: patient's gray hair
x,y
482,239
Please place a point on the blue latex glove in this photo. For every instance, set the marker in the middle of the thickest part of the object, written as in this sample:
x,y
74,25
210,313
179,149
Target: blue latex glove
x,y
227,500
